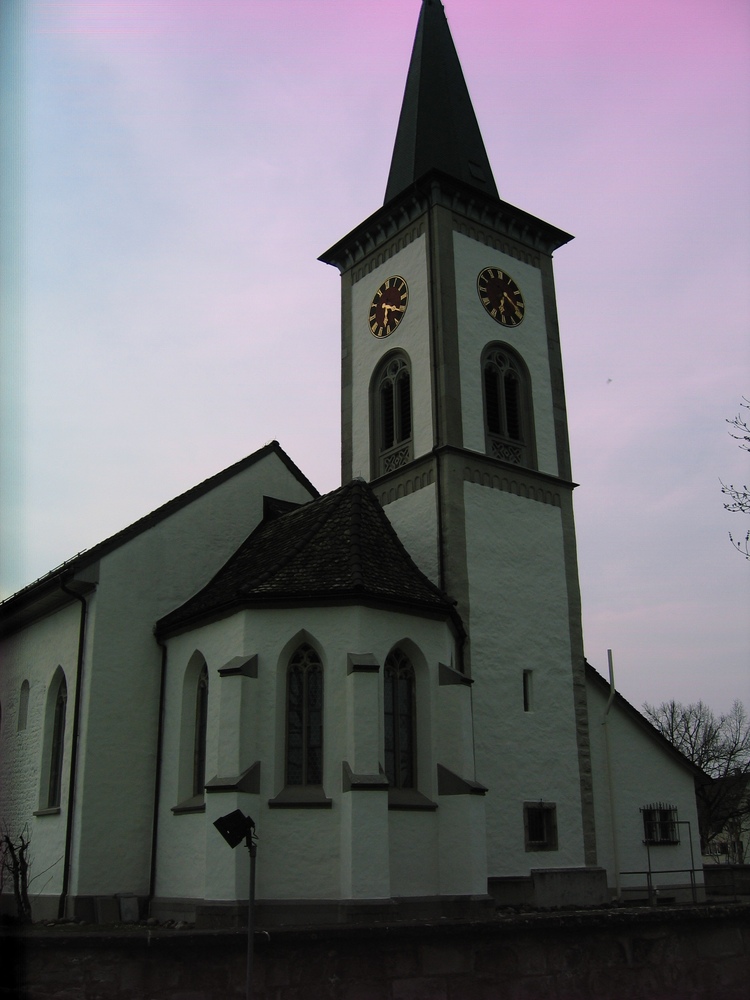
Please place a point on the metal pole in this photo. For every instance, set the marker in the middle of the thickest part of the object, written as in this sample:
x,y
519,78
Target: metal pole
x,y
651,897
250,918
692,858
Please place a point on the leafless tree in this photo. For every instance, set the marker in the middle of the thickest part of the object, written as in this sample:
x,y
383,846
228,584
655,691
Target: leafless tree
x,y
720,746
738,497
14,861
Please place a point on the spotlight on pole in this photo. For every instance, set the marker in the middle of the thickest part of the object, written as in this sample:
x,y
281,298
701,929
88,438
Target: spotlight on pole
x,y
234,827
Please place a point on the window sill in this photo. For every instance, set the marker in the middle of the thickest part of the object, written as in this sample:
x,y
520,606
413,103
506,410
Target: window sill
x,y
301,797
409,799
194,805
52,811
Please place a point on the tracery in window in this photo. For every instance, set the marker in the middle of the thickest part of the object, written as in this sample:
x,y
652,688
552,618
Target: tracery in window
x,y
400,721
392,431
304,718
506,401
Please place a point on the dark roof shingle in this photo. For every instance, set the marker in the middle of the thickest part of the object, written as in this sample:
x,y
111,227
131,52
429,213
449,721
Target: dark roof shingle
x,y
341,547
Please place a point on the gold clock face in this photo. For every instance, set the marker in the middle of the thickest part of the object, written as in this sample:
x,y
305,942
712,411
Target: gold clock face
x,y
388,306
500,296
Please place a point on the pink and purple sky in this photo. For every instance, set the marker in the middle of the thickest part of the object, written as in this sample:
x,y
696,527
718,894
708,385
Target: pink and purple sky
x,y
186,162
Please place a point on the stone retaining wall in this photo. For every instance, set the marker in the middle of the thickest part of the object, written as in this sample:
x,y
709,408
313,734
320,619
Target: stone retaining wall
x,y
682,954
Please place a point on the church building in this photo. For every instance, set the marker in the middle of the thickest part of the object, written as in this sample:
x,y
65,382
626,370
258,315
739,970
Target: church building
x,y
389,679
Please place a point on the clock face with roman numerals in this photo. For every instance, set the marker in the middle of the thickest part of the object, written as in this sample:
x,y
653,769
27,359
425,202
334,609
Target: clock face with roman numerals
x,y
500,296
388,306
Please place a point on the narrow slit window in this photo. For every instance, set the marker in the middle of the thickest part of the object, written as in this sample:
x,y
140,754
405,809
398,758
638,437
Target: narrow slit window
x,y
400,721
528,690
54,791
23,707
201,724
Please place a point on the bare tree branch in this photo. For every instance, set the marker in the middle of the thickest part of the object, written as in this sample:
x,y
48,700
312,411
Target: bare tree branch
x,y
738,497
720,746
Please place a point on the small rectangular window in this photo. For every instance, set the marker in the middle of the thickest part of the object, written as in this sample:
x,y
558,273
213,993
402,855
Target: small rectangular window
x,y
527,690
540,826
660,826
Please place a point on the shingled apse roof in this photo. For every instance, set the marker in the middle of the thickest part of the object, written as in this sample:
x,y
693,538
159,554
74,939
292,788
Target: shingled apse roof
x,y
340,548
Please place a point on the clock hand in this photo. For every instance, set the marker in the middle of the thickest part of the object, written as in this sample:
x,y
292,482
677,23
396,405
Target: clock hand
x,y
387,308
515,307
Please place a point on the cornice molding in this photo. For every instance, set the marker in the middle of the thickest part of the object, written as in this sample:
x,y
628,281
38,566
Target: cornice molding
x,y
384,227
481,470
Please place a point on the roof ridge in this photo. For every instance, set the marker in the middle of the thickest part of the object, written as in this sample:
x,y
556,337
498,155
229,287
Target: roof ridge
x,y
320,515
112,542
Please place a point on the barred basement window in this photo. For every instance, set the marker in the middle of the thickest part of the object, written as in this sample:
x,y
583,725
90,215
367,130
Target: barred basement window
x,y
400,721
506,407
660,825
304,718
392,431
540,826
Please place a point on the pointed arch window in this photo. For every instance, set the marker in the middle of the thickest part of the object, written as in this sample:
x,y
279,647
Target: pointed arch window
x,y
201,726
400,721
392,431
507,418
23,707
304,718
57,744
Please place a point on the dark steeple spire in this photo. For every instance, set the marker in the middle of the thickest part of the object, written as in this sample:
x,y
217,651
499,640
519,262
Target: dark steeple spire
x,y
437,129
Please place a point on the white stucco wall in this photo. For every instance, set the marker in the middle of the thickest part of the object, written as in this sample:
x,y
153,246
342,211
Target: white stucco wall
x,y
518,621
529,339
34,654
411,336
139,582
415,519
304,853
643,773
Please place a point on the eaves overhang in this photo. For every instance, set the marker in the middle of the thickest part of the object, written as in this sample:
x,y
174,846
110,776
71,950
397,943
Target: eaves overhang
x,y
437,188
41,597
48,596
593,675
171,625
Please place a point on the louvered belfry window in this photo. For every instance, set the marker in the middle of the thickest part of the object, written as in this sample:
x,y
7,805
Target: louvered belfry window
x,y
304,725
394,415
504,401
400,721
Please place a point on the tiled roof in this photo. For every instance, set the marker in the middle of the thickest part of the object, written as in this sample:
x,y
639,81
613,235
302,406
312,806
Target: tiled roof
x,y
341,547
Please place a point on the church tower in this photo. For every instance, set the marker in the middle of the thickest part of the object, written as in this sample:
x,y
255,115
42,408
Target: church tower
x,y
453,407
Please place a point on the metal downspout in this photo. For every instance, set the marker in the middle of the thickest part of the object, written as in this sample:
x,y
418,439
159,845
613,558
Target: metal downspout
x,y
157,777
73,751
612,810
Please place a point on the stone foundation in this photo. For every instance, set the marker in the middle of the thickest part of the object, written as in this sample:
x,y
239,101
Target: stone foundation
x,y
695,953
